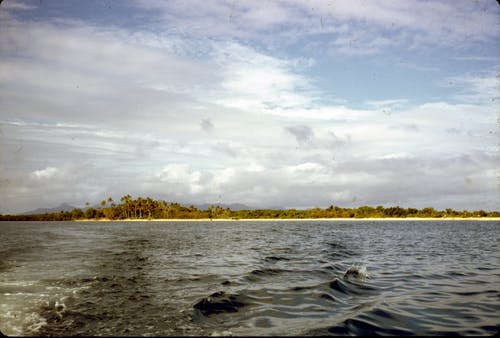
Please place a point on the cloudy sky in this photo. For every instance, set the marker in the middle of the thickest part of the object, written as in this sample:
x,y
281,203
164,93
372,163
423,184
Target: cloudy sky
x,y
267,103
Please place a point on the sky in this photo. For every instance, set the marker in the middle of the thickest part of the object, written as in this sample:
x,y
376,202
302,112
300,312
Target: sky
x,y
273,104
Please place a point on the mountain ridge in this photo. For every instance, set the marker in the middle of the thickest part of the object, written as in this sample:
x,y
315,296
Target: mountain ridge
x,y
200,206
61,207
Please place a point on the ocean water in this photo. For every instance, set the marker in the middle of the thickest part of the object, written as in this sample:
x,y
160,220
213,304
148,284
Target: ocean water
x,y
250,278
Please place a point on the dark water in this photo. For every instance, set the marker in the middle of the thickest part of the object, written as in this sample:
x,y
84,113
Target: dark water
x,y
250,278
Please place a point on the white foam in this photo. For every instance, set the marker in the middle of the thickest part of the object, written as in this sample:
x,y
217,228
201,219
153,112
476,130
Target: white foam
x,y
225,333
20,306
358,271
20,323
18,283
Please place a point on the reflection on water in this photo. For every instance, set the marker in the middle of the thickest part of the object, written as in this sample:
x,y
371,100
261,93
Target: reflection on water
x,y
250,278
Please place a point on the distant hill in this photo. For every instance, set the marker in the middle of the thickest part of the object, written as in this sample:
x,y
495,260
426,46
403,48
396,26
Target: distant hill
x,y
68,207
62,207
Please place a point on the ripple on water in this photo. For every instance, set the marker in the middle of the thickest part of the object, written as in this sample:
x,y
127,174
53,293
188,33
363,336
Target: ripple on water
x,y
235,278
365,327
220,302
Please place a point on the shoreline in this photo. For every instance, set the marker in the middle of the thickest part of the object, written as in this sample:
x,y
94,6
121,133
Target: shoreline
x,y
293,219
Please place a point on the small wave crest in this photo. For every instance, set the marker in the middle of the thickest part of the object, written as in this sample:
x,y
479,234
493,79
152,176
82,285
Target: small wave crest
x,y
364,327
357,271
220,302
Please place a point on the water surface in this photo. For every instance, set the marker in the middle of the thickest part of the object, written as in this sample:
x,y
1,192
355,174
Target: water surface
x,y
250,278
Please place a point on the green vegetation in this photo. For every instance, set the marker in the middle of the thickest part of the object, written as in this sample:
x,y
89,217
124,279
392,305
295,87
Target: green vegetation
x,y
147,208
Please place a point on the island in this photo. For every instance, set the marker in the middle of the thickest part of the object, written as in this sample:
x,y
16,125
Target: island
x,y
141,209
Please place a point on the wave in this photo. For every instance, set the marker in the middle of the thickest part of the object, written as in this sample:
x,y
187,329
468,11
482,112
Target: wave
x,y
267,272
276,258
357,272
220,302
360,327
348,287
160,281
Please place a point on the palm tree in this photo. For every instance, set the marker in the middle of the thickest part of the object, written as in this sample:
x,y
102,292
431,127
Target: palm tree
x,y
163,208
149,206
140,205
127,201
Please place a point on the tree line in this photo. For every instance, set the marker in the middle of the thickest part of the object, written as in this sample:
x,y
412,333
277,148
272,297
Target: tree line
x,y
148,208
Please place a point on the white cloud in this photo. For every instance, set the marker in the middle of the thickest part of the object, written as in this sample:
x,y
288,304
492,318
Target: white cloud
x,y
414,24
176,175
46,173
389,102
255,81
321,112
476,58
405,23
79,64
264,15
255,167
185,116
364,42
475,88
401,155
437,22
17,6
